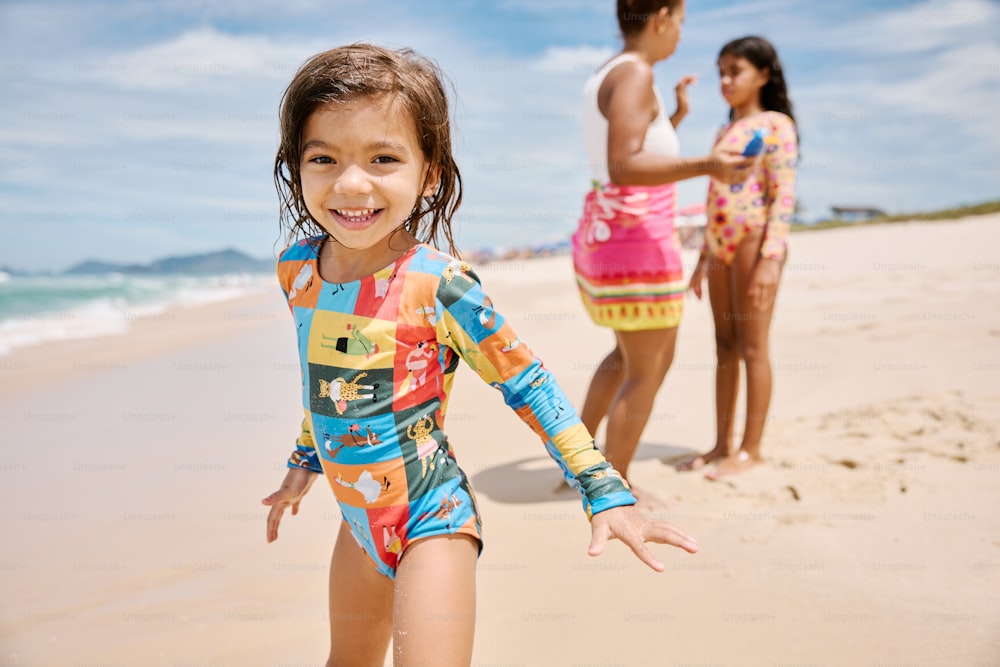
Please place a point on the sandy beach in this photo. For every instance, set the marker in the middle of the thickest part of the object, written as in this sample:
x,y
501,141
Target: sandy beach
x,y
134,467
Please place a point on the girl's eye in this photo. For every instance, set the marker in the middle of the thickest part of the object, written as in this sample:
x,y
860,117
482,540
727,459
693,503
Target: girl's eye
x,y
385,159
321,159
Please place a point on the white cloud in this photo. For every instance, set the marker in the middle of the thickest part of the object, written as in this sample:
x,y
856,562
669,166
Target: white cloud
x,y
572,58
198,61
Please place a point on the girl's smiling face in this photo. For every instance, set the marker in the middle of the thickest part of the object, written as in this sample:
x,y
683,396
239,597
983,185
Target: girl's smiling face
x,y
740,81
362,170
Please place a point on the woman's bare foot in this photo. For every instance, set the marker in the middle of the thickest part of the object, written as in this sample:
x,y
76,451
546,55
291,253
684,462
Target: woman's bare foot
x,y
700,461
733,465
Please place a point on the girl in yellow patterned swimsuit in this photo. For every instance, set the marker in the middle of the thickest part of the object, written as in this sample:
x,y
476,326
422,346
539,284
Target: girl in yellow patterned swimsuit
x,y
366,174
745,246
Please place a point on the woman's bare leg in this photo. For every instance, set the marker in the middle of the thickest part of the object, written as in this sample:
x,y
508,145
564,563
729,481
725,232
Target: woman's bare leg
x,y
647,356
360,607
435,603
604,385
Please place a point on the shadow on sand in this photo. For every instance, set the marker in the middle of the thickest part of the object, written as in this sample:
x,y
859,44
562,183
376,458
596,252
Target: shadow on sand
x,y
537,479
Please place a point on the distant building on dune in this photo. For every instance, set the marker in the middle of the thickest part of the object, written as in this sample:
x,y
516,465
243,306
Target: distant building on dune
x,y
857,213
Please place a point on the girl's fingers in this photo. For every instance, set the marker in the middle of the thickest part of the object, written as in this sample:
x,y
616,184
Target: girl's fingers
x,y
275,497
665,533
638,547
597,541
273,519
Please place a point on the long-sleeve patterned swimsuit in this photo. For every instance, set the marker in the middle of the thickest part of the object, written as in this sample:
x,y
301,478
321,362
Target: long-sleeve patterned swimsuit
x,y
767,198
378,358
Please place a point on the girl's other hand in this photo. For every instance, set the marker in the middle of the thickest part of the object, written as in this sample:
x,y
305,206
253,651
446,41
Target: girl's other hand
x,y
295,486
764,283
697,277
632,528
730,167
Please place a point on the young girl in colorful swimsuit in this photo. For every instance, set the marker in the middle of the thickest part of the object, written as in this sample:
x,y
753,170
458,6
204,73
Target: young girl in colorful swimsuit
x,y
746,246
366,175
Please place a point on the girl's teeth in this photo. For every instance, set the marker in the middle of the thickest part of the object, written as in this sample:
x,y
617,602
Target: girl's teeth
x,y
357,214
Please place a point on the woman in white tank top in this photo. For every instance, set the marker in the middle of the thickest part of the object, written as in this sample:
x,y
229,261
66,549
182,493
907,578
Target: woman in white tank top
x,y
625,252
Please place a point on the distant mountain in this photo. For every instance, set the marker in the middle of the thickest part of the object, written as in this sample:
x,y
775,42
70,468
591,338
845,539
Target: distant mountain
x,y
92,267
222,261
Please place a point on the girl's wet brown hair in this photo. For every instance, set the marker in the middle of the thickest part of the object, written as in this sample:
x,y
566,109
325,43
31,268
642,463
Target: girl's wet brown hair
x,y
345,74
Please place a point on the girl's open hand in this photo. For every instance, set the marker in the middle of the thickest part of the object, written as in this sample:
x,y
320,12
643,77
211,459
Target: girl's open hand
x,y
296,485
764,283
632,528
698,277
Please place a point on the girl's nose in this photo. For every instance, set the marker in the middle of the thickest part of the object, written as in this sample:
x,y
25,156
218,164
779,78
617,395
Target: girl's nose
x,y
352,181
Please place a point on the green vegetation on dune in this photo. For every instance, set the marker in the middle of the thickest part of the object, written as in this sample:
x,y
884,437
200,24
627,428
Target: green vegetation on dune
x,y
943,214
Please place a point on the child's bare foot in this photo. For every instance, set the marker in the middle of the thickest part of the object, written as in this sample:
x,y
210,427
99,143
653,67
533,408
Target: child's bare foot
x,y
733,465
700,461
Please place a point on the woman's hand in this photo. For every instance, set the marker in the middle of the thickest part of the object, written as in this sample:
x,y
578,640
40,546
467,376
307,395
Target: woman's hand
x,y
730,167
295,486
680,91
632,528
764,283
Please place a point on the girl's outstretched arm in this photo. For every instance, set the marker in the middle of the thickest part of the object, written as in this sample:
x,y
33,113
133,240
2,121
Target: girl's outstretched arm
x,y
631,527
780,164
469,322
470,326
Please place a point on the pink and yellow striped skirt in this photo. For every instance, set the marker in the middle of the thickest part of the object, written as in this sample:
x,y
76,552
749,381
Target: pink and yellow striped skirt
x,y
627,257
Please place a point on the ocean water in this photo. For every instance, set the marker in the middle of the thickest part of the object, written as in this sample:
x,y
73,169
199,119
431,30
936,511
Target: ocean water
x,y
37,309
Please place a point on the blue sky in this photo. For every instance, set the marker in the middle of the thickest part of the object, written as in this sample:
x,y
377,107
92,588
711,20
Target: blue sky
x,y
134,130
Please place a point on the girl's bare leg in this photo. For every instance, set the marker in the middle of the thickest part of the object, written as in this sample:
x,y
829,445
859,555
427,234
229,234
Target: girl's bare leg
x,y
754,326
647,356
360,607
435,603
727,369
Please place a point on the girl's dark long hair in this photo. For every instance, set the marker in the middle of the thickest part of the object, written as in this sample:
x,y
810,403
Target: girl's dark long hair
x,y
759,53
